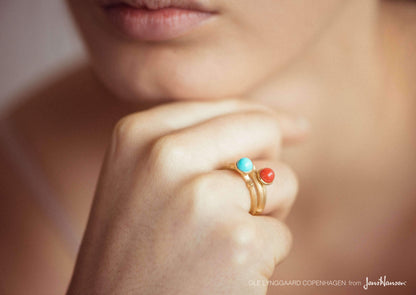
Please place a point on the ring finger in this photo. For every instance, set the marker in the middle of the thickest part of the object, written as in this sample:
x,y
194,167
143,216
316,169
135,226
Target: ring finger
x,y
222,190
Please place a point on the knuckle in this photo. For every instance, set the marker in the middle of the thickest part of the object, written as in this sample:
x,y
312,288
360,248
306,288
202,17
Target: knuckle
x,y
277,242
126,129
244,235
238,237
201,185
167,153
283,238
284,233
243,240
202,198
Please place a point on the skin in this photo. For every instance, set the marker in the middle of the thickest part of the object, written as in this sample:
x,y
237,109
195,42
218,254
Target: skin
x,y
375,146
237,45
139,211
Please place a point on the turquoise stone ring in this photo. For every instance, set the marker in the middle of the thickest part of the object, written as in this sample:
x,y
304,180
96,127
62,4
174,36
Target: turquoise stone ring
x,y
256,181
245,165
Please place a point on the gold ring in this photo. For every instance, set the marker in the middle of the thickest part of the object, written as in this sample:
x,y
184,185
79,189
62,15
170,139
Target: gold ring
x,y
261,191
255,180
250,185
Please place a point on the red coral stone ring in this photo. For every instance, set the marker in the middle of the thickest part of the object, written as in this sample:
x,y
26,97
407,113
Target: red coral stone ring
x,y
266,175
256,181
262,178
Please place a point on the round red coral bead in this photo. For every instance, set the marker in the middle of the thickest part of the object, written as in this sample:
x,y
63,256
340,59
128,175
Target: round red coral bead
x,y
267,175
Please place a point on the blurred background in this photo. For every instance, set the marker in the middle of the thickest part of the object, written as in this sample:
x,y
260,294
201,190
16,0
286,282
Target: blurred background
x,y
37,39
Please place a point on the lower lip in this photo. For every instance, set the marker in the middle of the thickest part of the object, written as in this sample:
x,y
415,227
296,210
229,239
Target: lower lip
x,y
155,25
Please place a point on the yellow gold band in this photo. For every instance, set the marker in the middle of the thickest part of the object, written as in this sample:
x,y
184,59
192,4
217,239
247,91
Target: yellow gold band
x,y
256,181
261,191
250,183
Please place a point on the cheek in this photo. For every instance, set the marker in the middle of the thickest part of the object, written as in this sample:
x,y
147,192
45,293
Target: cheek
x,y
283,28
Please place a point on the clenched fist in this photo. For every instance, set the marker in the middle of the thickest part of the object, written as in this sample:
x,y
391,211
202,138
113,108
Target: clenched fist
x,y
166,219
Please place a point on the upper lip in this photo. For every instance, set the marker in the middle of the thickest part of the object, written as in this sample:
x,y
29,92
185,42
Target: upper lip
x,y
156,4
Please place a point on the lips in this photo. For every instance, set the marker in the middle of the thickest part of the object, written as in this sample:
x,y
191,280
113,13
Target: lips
x,y
156,4
155,20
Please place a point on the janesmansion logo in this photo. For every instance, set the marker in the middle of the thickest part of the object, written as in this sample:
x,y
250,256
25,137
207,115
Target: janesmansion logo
x,y
382,282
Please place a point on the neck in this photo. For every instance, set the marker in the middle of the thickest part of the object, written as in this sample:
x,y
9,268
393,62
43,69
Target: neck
x,y
344,59
336,85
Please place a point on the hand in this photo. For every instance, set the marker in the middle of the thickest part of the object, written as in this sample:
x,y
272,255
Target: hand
x,y
167,220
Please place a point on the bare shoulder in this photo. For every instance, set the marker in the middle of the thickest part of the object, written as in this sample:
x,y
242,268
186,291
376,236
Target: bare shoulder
x,y
32,257
61,129
46,106
33,254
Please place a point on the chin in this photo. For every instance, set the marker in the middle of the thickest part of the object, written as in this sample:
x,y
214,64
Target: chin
x,y
170,81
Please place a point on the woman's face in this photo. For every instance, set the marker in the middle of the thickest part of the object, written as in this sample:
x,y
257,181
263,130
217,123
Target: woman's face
x,y
196,49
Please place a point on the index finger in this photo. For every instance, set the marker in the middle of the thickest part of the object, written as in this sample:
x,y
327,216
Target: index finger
x,y
140,128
